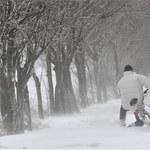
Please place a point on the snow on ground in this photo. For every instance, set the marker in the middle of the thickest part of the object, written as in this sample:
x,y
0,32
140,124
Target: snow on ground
x,y
96,127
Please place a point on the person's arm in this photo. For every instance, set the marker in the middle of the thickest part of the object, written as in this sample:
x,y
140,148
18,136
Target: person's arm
x,y
144,81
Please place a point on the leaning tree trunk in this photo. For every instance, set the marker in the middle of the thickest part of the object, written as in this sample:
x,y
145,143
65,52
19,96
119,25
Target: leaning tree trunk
x,y
39,96
80,65
50,83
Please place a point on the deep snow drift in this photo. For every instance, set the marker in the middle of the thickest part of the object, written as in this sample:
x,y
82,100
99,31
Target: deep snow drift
x,y
96,127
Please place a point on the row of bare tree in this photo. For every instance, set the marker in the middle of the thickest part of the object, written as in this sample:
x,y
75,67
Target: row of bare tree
x,y
70,33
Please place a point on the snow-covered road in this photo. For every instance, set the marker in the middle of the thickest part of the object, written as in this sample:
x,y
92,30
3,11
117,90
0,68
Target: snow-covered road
x,y
96,127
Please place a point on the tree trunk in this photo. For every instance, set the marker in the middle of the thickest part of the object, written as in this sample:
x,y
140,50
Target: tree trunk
x,y
11,78
92,99
58,90
103,83
28,119
99,93
50,83
116,65
7,88
6,105
39,96
71,91
97,82
69,97
80,65
67,102
19,113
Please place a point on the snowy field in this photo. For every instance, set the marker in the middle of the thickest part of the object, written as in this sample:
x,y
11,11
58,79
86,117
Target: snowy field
x,y
96,127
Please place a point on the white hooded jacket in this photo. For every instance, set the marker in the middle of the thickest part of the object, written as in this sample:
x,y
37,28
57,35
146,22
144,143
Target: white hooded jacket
x,y
131,86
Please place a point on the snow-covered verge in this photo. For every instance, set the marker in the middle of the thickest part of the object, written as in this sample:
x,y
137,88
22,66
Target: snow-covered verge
x,y
96,127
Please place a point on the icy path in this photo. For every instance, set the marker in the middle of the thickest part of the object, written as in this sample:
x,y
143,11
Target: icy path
x,y
96,127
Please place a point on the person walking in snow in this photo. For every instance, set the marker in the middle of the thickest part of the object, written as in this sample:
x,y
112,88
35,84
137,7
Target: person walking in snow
x,y
131,86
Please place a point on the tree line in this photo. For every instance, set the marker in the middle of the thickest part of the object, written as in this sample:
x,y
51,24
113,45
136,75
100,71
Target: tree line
x,y
86,36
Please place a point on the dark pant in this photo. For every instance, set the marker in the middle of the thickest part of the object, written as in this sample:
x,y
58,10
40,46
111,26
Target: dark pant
x,y
123,113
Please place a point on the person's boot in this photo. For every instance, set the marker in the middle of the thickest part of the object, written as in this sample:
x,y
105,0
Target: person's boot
x,y
122,123
122,117
138,123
